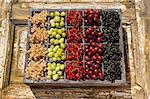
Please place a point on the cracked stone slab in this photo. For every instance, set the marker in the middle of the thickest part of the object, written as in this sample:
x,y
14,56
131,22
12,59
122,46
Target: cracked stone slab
x,y
20,91
3,45
19,50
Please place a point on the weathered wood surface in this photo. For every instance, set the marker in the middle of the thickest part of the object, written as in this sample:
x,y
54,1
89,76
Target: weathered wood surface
x,y
20,11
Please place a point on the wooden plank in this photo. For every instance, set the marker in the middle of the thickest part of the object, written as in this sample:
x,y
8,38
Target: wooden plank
x,y
20,11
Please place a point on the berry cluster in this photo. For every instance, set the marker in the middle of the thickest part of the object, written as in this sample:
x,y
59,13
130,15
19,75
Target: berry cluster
x,y
93,52
74,35
112,70
74,51
93,71
57,35
39,19
111,19
93,34
112,52
56,53
74,18
74,70
111,23
110,35
57,19
92,17
55,71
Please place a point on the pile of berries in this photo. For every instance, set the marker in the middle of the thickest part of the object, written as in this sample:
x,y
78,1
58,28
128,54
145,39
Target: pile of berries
x,y
93,52
92,17
74,18
74,70
74,35
93,71
74,51
93,34
111,19
110,35
111,25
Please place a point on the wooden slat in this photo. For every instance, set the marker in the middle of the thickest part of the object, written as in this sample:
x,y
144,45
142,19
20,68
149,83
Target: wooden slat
x,y
20,11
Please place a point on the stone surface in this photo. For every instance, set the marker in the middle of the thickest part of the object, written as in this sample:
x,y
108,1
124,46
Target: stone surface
x,y
147,53
5,43
23,91
19,49
19,91
140,47
145,8
3,46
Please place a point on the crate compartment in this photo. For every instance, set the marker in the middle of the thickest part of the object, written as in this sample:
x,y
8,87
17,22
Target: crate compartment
x,y
74,70
74,35
74,52
92,17
57,19
74,17
111,18
93,34
107,31
40,18
94,71
110,35
55,71
57,51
